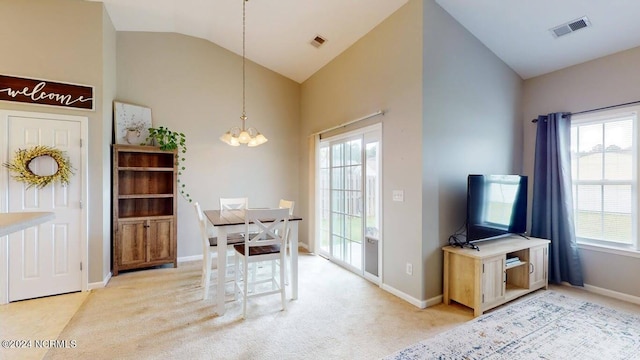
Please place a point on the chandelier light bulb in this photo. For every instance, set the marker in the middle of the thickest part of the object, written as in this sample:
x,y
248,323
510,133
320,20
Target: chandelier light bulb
x,y
226,138
244,137
261,139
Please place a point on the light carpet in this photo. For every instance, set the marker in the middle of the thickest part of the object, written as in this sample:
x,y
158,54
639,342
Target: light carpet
x,y
159,314
546,326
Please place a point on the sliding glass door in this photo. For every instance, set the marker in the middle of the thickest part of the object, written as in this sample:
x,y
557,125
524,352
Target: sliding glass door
x,y
349,199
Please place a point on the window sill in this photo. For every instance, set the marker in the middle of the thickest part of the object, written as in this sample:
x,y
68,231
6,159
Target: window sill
x,y
609,250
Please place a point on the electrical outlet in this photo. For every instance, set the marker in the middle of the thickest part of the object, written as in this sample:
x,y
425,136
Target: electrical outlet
x,y
409,269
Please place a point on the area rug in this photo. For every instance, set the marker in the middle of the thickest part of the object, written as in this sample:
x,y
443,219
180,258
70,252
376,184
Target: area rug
x,y
547,326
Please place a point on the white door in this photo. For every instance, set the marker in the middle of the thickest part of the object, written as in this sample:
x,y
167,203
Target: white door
x,y
46,259
349,200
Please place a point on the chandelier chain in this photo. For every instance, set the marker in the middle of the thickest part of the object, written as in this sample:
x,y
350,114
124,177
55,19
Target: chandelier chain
x,y
249,136
244,114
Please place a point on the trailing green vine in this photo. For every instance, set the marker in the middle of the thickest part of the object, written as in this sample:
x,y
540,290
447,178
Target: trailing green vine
x,y
171,140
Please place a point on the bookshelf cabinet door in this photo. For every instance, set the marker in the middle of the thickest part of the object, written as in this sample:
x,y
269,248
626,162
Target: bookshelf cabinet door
x,y
132,248
161,240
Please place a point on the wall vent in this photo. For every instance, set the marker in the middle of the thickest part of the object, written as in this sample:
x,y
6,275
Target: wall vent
x,y
318,41
570,27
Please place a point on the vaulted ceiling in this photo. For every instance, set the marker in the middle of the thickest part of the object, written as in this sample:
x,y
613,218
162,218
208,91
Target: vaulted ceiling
x,y
279,32
519,31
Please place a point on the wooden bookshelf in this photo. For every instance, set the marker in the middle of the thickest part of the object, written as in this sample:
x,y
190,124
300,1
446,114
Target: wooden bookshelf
x,y
144,207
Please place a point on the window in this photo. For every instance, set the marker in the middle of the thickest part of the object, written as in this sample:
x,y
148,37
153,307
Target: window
x,y
604,176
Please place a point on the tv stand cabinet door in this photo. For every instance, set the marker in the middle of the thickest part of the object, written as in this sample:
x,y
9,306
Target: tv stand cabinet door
x,y
493,282
538,263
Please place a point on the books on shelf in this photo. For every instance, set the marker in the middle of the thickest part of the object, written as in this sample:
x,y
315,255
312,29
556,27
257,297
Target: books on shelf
x,y
512,260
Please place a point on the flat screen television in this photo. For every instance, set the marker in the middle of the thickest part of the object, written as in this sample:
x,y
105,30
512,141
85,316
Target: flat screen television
x,y
496,206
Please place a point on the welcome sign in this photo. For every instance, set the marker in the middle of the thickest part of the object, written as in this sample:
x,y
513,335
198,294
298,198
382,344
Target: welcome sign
x,y
45,92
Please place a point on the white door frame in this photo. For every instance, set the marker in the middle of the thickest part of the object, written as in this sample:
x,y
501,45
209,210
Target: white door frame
x,y
81,170
376,127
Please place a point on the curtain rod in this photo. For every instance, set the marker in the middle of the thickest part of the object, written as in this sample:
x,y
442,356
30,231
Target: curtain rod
x,y
379,112
598,109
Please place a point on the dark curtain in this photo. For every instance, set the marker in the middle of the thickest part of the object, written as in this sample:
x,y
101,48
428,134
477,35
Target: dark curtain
x,y
552,215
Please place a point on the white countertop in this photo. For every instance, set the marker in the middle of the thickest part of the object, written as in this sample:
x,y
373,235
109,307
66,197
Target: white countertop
x,y
16,221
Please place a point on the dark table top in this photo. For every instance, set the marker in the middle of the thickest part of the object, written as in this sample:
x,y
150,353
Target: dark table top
x,y
232,217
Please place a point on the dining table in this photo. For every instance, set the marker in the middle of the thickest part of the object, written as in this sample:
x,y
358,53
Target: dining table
x,y
233,221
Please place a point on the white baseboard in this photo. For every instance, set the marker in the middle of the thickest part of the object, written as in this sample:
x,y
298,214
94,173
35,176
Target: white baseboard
x,y
434,301
304,246
612,294
100,284
408,298
189,258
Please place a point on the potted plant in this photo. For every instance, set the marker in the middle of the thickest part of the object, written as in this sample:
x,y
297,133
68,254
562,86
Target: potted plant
x,y
170,140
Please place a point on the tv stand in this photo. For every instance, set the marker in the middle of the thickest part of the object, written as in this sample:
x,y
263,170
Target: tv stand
x,y
483,279
463,245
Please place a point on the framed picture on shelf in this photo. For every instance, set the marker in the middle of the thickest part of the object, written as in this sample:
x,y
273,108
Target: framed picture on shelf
x,y
131,123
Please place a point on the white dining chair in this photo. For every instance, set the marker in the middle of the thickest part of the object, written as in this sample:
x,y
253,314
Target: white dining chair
x,y
210,247
240,203
287,204
234,203
266,244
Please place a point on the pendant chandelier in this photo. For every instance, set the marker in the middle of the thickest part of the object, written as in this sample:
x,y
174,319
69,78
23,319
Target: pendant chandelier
x,y
243,135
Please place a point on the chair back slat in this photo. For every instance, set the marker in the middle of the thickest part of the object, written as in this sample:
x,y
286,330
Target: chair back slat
x,y
267,221
234,203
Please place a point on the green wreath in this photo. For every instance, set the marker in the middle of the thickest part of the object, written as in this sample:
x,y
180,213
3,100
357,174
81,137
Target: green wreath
x,y
19,166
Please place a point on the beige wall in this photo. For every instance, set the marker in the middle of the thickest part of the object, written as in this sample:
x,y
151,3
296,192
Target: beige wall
x,y
195,87
452,108
63,40
610,80
471,126
381,71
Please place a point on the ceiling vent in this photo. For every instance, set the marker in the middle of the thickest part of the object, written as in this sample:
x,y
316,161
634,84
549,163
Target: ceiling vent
x,y
570,27
318,41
